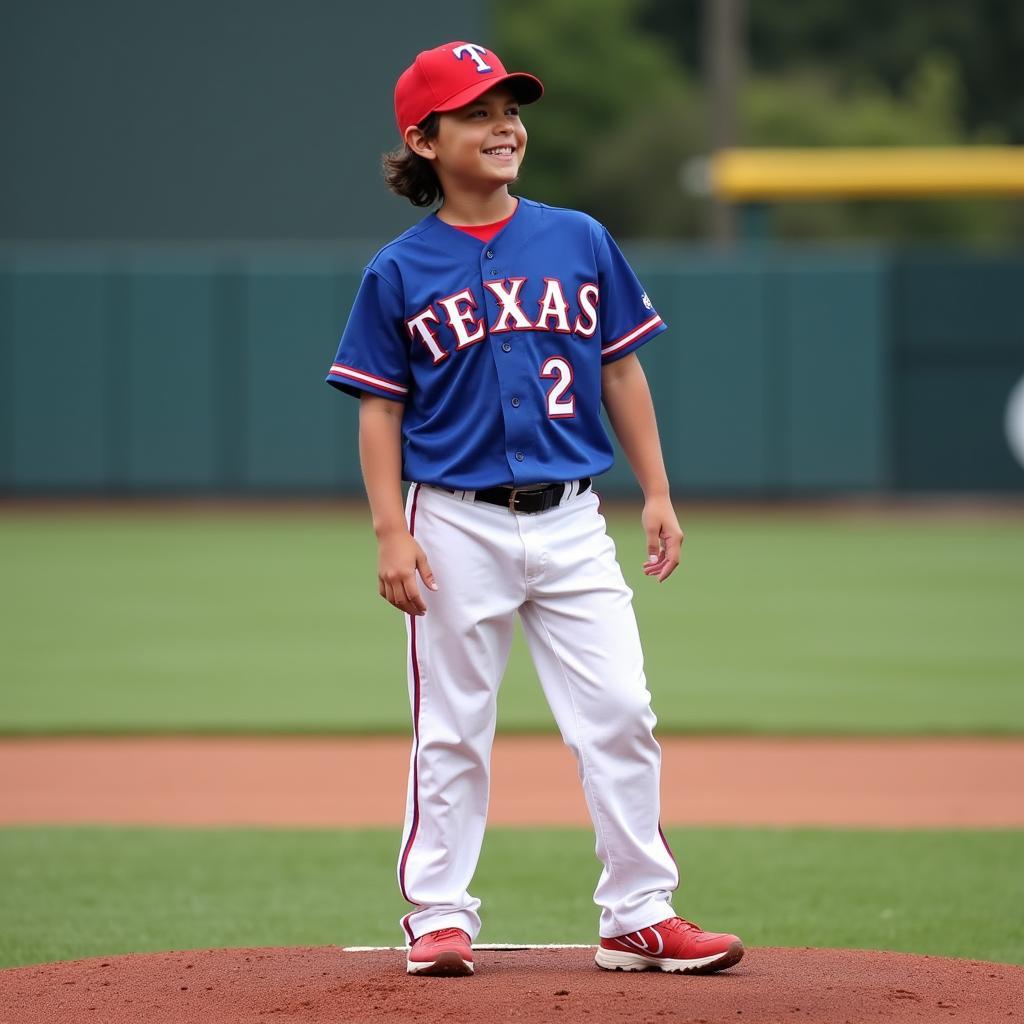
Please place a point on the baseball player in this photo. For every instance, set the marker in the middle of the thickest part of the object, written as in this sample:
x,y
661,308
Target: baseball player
x,y
482,344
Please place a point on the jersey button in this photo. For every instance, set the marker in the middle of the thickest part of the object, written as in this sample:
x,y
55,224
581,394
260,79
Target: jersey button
x,y
515,401
506,347
489,254
520,456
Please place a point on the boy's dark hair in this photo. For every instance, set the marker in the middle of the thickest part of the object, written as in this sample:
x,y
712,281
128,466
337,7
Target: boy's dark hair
x,y
411,175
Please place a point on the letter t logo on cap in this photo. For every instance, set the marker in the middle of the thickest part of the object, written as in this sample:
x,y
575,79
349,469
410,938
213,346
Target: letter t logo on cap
x,y
434,83
476,54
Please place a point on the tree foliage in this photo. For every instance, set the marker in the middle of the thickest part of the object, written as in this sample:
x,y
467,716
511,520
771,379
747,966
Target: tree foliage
x,y
879,40
811,108
625,109
601,77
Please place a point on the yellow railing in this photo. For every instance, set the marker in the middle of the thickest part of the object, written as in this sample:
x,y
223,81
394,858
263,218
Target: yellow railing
x,y
765,175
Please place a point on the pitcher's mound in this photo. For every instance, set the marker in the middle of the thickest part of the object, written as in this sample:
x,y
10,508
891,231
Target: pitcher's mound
x,y
317,985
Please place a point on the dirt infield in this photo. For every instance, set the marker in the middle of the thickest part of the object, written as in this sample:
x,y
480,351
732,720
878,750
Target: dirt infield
x,y
326,985
307,782
292,782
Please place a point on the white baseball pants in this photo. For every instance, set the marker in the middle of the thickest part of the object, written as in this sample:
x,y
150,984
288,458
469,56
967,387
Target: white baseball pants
x,y
558,570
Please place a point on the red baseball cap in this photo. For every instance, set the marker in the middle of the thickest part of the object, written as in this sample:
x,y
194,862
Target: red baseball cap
x,y
452,75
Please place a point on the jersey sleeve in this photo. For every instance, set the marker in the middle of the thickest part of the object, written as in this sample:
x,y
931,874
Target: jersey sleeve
x,y
628,319
373,355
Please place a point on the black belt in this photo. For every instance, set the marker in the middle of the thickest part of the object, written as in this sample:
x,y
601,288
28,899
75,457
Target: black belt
x,y
528,500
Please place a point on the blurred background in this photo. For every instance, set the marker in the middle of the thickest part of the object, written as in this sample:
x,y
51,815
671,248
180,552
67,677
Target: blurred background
x,y
188,196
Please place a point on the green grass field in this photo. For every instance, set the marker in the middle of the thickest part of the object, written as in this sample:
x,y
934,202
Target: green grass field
x,y
269,622
71,893
227,622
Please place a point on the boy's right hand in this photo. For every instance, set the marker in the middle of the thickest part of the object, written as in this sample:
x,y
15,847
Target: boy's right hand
x,y
399,558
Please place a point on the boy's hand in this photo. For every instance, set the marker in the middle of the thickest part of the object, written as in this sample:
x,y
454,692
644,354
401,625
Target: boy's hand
x,y
664,538
399,558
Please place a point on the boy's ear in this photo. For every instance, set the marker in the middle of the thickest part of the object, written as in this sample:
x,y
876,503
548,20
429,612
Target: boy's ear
x,y
419,143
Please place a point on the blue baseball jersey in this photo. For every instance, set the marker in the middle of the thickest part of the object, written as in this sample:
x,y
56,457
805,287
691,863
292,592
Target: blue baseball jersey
x,y
496,348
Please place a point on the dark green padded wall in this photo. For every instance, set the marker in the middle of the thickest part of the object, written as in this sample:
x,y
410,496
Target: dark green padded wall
x,y
713,408
299,433
958,337
151,372
774,374
784,371
59,382
829,372
173,383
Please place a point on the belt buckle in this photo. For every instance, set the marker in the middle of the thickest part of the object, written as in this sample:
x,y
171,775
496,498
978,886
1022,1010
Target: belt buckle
x,y
545,490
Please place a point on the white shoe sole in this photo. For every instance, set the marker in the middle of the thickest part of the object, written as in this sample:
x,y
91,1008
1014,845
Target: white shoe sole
x,y
448,965
613,960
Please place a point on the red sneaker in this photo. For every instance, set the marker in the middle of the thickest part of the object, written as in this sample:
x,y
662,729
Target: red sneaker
x,y
448,951
674,945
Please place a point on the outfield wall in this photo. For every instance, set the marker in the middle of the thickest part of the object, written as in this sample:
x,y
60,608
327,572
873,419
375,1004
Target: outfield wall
x,y
787,371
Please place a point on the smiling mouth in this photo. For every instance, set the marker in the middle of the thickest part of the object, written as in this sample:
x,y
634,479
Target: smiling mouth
x,y
500,151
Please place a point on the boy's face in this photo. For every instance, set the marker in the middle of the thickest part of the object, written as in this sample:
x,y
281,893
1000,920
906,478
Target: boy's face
x,y
481,144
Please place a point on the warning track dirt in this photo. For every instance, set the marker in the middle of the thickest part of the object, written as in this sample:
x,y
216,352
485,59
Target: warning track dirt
x,y
298,782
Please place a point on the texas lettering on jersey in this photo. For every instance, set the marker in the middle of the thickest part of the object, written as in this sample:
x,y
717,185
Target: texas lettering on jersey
x,y
496,350
459,311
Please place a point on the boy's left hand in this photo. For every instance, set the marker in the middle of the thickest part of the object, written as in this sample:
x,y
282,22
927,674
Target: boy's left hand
x,y
664,538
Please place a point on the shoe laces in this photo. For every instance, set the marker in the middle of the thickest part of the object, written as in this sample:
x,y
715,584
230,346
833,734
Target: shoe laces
x,y
679,924
444,934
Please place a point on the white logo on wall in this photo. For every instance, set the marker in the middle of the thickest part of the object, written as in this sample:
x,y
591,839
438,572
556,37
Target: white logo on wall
x,y
1014,421
476,55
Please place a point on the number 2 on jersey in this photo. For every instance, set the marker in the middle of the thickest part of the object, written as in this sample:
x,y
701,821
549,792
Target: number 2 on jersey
x,y
560,371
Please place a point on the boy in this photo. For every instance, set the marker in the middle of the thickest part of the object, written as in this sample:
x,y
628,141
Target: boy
x,y
482,344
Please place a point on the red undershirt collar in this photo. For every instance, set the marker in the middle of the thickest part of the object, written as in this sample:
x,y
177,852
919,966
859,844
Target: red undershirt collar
x,y
484,232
